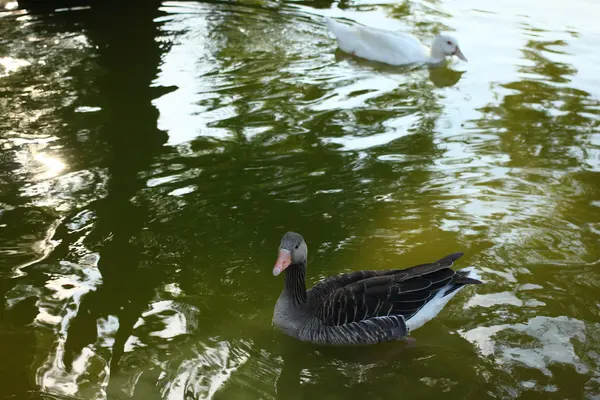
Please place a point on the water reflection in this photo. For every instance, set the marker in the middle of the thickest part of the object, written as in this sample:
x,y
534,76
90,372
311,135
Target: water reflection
x,y
542,126
540,123
131,132
91,328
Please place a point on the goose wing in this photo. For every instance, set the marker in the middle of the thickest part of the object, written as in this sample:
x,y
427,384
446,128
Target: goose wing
x,y
373,306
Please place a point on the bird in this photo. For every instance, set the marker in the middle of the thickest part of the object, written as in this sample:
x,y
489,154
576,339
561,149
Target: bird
x,y
361,307
391,47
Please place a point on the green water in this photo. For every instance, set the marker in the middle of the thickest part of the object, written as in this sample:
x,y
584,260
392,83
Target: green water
x,y
152,157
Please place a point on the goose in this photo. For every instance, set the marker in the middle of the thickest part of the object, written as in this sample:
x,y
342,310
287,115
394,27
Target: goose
x,y
390,47
361,307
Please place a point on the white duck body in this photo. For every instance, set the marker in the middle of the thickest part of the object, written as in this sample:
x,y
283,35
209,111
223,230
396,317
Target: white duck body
x,y
390,47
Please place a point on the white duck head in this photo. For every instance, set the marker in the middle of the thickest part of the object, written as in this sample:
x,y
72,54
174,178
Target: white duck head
x,y
446,45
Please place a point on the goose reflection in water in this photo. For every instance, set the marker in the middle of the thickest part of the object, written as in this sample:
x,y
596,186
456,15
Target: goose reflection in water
x,y
441,75
309,370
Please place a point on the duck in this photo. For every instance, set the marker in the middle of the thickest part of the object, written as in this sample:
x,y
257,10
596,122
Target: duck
x,y
361,307
391,47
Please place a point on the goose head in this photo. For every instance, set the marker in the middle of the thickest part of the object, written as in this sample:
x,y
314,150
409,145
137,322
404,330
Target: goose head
x,y
292,250
446,45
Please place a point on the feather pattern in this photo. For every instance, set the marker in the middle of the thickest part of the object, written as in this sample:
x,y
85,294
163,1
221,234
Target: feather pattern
x,y
367,307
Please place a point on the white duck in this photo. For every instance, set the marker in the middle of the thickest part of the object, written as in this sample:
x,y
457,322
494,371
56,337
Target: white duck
x,y
394,48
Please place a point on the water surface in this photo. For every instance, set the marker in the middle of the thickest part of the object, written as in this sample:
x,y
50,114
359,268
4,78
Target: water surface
x,y
152,157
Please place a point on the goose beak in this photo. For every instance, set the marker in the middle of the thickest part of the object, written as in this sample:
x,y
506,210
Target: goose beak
x,y
460,55
283,261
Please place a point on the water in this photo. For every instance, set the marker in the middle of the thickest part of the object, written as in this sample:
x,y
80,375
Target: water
x,y
153,156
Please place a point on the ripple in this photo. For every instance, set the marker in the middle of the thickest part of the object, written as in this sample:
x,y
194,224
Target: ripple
x,y
203,375
490,300
553,344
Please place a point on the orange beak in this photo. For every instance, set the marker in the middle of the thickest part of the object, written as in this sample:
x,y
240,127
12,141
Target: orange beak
x,y
283,261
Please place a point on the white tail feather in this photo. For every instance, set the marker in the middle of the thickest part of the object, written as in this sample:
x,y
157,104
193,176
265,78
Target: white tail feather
x,y
439,301
473,273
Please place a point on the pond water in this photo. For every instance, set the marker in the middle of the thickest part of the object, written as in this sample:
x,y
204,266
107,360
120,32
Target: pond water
x,y
152,157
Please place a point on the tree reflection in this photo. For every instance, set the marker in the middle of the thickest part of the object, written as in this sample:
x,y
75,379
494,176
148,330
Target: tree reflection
x,y
542,122
130,55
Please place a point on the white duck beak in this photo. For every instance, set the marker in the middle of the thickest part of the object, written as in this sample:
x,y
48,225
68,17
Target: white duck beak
x,y
460,55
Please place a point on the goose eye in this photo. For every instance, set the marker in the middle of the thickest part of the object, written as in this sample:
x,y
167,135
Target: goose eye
x,y
297,246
